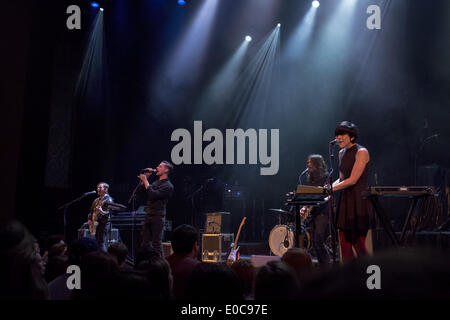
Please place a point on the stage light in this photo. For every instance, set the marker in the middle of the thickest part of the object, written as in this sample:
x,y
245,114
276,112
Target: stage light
x,y
279,25
94,4
101,9
248,38
315,3
181,2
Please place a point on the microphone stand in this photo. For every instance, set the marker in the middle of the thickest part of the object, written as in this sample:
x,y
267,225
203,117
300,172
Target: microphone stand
x,y
331,212
301,175
298,225
65,207
192,196
132,201
416,155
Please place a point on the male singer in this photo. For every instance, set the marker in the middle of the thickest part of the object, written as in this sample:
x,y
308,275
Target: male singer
x,y
158,194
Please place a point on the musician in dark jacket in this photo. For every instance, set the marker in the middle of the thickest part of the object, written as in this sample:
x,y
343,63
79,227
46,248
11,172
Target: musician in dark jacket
x,y
98,219
316,175
158,194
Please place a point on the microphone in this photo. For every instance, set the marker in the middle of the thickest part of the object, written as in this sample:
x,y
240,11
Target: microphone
x,y
301,175
433,136
90,192
334,141
143,171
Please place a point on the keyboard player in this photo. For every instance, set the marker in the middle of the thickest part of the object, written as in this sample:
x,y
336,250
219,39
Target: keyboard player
x,y
354,217
316,175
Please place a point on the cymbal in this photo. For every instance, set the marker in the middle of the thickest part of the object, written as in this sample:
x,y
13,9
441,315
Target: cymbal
x,y
279,211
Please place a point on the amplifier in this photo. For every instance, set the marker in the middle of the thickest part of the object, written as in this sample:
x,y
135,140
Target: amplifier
x,y
126,221
110,237
217,222
216,246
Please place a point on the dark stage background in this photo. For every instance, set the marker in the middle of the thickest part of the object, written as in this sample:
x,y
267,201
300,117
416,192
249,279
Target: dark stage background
x,y
100,103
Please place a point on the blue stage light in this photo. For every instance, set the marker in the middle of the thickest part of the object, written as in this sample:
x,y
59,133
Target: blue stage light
x,y
315,3
181,2
248,38
94,4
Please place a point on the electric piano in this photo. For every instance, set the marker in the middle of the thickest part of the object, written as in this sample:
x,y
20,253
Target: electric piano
x,y
414,192
402,191
307,196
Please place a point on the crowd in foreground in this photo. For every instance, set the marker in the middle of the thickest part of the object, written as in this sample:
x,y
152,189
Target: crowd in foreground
x,y
29,270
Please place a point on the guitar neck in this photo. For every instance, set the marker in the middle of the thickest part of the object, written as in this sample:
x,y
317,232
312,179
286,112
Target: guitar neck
x,y
239,232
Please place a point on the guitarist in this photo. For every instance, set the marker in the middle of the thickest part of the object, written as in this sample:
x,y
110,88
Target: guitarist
x,y
316,175
98,216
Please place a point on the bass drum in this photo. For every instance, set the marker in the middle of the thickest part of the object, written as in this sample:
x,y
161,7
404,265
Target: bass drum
x,y
278,236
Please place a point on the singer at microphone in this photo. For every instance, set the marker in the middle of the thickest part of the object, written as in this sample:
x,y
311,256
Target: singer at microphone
x,y
354,217
158,194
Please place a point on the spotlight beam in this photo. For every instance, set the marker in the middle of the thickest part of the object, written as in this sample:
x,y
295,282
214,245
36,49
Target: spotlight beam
x,y
186,60
301,36
223,83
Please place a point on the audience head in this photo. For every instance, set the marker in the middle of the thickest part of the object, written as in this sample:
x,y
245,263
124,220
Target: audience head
x,y
97,269
52,240
276,280
56,266
145,253
119,251
21,273
213,282
158,273
58,249
246,272
185,240
130,284
299,259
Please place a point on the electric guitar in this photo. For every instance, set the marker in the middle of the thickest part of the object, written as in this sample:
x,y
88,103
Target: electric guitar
x,y
305,211
233,256
96,214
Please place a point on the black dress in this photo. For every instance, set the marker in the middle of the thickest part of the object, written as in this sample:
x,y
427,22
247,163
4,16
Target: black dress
x,y
354,215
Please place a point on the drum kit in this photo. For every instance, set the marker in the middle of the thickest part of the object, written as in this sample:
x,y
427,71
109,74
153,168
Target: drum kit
x,y
281,237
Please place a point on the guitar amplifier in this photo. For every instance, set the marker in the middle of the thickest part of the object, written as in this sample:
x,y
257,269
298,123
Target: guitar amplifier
x,y
216,246
110,237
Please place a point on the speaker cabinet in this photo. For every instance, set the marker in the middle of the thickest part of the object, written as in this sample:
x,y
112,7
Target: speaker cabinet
x,y
216,246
